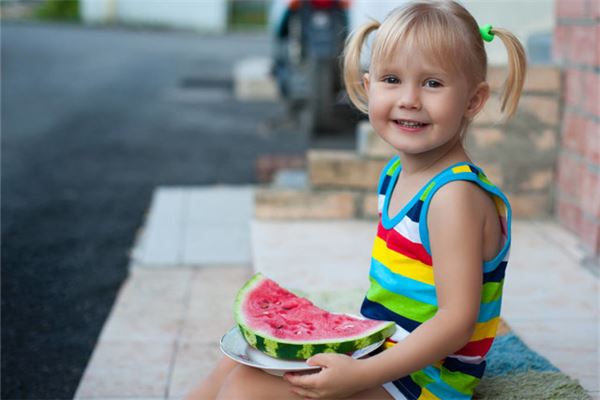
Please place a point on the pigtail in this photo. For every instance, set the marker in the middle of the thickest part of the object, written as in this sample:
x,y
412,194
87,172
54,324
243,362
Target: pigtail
x,y
517,65
352,68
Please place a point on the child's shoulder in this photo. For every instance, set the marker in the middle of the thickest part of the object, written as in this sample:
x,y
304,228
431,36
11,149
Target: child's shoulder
x,y
463,209
461,194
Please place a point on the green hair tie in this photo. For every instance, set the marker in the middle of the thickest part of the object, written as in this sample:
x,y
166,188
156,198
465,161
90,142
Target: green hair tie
x,y
486,32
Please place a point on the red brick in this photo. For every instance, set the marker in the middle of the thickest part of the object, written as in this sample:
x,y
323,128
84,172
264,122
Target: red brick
x,y
578,44
570,171
571,9
582,90
582,43
574,88
571,38
560,43
590,193
574,132
569,214
591,82
597,62
563,183
594,9
593,142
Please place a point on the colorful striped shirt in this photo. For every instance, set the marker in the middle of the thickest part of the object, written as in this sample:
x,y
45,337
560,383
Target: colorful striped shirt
x,y
402,280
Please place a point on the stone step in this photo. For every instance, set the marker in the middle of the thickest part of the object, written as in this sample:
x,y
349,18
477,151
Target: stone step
x,y
295,204
369,144
298,204
335,169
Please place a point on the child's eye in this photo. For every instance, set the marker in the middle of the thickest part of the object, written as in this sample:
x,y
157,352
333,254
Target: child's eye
x,y
432,83
391,79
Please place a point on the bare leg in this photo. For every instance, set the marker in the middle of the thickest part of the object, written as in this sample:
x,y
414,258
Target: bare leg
x,y
252,383
210,386
246,383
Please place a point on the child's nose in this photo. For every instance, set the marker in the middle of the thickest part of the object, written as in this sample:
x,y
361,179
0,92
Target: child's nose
x,y
409,98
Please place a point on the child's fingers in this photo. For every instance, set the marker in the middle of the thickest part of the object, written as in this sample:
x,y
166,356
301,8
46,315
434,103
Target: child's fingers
x,y
320,360
302,380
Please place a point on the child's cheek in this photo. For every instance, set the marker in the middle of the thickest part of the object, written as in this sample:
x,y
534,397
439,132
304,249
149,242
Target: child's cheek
x,y
378,115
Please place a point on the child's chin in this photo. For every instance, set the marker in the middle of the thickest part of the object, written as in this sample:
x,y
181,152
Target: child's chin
x,y
406,146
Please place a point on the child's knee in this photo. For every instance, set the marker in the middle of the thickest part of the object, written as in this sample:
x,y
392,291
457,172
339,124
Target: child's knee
x,y
235,384
241,383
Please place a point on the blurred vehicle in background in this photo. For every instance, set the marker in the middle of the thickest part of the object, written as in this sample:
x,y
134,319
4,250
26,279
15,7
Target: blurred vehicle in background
x,y
308,39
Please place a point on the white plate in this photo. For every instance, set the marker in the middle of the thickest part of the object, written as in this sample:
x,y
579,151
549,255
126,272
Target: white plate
x,y
234,346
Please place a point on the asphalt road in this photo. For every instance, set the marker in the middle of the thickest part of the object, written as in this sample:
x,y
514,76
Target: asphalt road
x,y
92,121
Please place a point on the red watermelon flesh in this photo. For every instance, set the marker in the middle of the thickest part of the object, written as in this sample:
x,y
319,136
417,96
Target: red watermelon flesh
x,y
274,309
284,325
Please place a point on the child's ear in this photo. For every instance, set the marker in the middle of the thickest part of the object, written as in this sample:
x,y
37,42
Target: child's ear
x,y
366,81
479,97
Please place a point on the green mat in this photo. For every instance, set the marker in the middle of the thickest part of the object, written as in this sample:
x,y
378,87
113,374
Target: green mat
x,y
514,371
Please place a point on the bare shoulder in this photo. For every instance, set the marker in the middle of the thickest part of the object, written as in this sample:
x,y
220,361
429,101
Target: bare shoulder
x,y
463,206
460,197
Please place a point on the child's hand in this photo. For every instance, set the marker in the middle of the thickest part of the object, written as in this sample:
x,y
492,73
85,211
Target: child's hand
x,y
340,376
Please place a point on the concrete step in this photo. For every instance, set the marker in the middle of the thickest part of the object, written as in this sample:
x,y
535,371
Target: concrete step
x,y
298,204
329,169
342,185
305,204
370,145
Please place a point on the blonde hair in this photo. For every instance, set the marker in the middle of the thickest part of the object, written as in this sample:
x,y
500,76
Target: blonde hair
x,y
447,33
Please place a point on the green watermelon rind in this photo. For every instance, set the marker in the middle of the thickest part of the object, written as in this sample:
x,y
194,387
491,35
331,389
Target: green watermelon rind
x,y
285,349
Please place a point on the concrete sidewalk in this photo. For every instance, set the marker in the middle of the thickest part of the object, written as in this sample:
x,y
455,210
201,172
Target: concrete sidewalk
x,y
199,245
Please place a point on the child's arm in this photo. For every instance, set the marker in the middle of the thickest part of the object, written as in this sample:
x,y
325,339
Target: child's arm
x,y
456,223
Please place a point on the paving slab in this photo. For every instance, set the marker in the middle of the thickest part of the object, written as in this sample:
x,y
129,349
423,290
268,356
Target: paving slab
x,y
319,255
209,315
160,241
196,226
162,336
151,306
193,363
552,302
134,352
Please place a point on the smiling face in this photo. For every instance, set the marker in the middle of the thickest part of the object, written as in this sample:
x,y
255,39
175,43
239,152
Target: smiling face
x,y
415,105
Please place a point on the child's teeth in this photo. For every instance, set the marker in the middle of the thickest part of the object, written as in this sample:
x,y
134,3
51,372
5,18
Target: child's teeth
x,y
411,124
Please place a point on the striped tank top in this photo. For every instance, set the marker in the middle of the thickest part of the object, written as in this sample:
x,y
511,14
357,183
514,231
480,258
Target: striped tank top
x,y
402,285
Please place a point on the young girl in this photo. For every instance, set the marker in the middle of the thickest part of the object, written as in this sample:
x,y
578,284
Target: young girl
x,y
442,243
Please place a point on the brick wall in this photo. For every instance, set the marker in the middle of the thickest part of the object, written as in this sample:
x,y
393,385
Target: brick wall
x,y
520,155
577,50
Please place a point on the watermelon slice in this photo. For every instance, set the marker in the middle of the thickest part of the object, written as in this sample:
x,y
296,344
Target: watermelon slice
x,y
283,325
